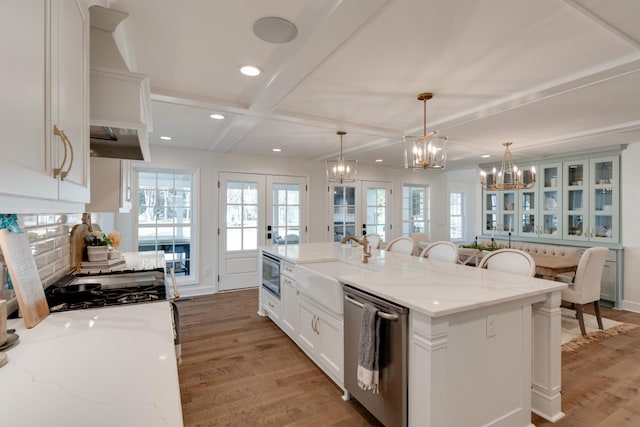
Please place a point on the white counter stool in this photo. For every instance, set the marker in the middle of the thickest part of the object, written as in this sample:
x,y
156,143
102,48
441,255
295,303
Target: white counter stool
x,y
402,244
374,240
441,251
510,261
585,288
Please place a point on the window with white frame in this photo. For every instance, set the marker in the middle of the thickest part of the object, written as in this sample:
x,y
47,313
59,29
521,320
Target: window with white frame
x,y
456,216
165,217
416,217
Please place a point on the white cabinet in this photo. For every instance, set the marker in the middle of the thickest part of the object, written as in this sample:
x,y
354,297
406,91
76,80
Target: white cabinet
x,y
289,300
44,103
550,203
110,185
321,337
271,305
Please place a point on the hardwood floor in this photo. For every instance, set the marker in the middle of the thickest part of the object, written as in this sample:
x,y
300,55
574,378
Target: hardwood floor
x,y
239,369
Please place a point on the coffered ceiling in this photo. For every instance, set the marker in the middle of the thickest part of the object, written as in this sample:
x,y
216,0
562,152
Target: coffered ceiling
x,y
552,76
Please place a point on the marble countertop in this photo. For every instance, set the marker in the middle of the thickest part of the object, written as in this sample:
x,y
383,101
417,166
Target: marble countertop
x,y
111,366
434,288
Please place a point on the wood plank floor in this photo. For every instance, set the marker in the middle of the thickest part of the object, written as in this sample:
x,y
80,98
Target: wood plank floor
x,y
239,369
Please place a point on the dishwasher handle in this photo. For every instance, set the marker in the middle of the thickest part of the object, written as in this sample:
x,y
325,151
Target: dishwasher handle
x,y
381,314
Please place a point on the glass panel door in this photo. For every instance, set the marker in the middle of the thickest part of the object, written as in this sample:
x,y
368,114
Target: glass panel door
x,y
343,207
528,212
576,182
287,210
377,199
604,193
508,212
551,203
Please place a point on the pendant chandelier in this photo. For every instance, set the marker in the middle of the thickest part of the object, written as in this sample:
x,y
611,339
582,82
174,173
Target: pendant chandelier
x,y
427,151
341,170
509,177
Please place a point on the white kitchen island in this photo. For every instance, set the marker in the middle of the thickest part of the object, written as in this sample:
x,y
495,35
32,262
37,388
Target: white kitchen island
x,y
484,345
112,366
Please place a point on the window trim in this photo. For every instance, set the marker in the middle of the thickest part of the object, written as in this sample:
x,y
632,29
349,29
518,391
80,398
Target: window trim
x,y
463,215
194,248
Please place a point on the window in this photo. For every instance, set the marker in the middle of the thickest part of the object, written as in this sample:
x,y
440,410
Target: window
x,y
456,216
164,221
416,216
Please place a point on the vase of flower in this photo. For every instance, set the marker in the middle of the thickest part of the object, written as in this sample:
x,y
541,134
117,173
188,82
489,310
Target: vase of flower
x,y
97,253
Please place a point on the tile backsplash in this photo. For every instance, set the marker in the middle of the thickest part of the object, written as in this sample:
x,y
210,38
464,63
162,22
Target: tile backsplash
x,y
49,239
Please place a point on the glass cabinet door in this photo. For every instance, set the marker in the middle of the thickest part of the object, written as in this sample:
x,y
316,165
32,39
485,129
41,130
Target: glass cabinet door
x,y
490,211
576,182
551,200
508,208
528,212
605,195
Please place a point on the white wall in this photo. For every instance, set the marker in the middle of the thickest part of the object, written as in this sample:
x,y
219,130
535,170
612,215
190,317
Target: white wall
x,y
209,165
630,201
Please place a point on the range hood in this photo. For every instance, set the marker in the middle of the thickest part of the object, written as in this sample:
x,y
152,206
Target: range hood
x,y
120,114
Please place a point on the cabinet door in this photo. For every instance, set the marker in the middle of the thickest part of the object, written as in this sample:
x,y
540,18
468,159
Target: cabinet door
x,y
307,332
528,217
608,283
550,203
508,212
69,98
25,167
576,200
330,331
604,194
490,211
289,302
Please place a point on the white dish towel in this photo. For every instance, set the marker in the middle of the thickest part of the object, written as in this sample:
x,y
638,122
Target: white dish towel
x,y
368,350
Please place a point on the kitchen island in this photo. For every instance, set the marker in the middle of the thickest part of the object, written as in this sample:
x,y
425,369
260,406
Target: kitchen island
x,y
484,345
111,366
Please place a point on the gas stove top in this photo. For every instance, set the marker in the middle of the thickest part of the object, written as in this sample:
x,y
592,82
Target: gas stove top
x,y
101,290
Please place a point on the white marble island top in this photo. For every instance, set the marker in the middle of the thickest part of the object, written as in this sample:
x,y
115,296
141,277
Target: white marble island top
x,y
112,366
431,287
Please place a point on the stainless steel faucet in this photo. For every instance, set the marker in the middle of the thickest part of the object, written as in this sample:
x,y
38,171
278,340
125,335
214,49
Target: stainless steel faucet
x,y
366,247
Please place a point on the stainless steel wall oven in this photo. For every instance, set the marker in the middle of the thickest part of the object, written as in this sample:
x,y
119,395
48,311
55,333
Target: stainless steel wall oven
x,y
271,274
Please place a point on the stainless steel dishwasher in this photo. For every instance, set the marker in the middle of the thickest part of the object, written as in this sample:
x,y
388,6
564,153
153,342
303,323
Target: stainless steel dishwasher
x,y
390,405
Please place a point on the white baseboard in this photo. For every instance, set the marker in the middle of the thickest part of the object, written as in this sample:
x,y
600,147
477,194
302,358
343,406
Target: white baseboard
x,y
196,290
631,306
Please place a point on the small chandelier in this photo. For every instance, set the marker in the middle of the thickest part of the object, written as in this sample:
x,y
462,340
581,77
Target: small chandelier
x,y
341,170
509,177
427,151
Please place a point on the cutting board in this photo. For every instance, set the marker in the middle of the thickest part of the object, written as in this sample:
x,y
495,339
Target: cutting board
x,y
24,275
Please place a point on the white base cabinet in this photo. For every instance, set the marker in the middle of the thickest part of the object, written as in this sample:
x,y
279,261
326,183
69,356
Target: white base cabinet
x,y
289,304
321,337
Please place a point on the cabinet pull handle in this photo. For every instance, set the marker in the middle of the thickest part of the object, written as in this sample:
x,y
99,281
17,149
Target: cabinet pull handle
x,y
128,193
57,132
65,141
315,326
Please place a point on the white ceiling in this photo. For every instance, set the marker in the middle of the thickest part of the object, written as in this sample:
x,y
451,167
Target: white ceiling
x,y
552,76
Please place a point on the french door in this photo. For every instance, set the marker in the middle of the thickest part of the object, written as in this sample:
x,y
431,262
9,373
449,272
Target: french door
x,y
255,210
358,207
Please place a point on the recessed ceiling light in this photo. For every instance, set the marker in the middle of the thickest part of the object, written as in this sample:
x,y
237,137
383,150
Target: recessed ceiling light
x,y
166,138
250,70
217,116
486,156
277,150
378,160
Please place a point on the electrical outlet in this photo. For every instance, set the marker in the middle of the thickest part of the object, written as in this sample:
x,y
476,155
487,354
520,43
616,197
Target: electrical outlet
x,y
207,271
491,325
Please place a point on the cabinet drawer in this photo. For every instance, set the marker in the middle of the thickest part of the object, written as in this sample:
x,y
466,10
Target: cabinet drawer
x,y
271,305
287,269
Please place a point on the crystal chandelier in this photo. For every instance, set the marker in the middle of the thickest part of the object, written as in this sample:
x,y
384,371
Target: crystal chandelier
x,y
341,170
427,151
509,177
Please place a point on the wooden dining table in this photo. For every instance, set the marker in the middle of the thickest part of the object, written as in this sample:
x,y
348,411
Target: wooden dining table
x,y
550,266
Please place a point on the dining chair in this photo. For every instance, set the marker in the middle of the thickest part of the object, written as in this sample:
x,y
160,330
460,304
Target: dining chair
x,y
402,244
374,240
441,251
421,241
585,287
510,261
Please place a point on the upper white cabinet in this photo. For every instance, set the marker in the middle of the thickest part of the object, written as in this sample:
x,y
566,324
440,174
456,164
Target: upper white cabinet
x,y
110,185
44,105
